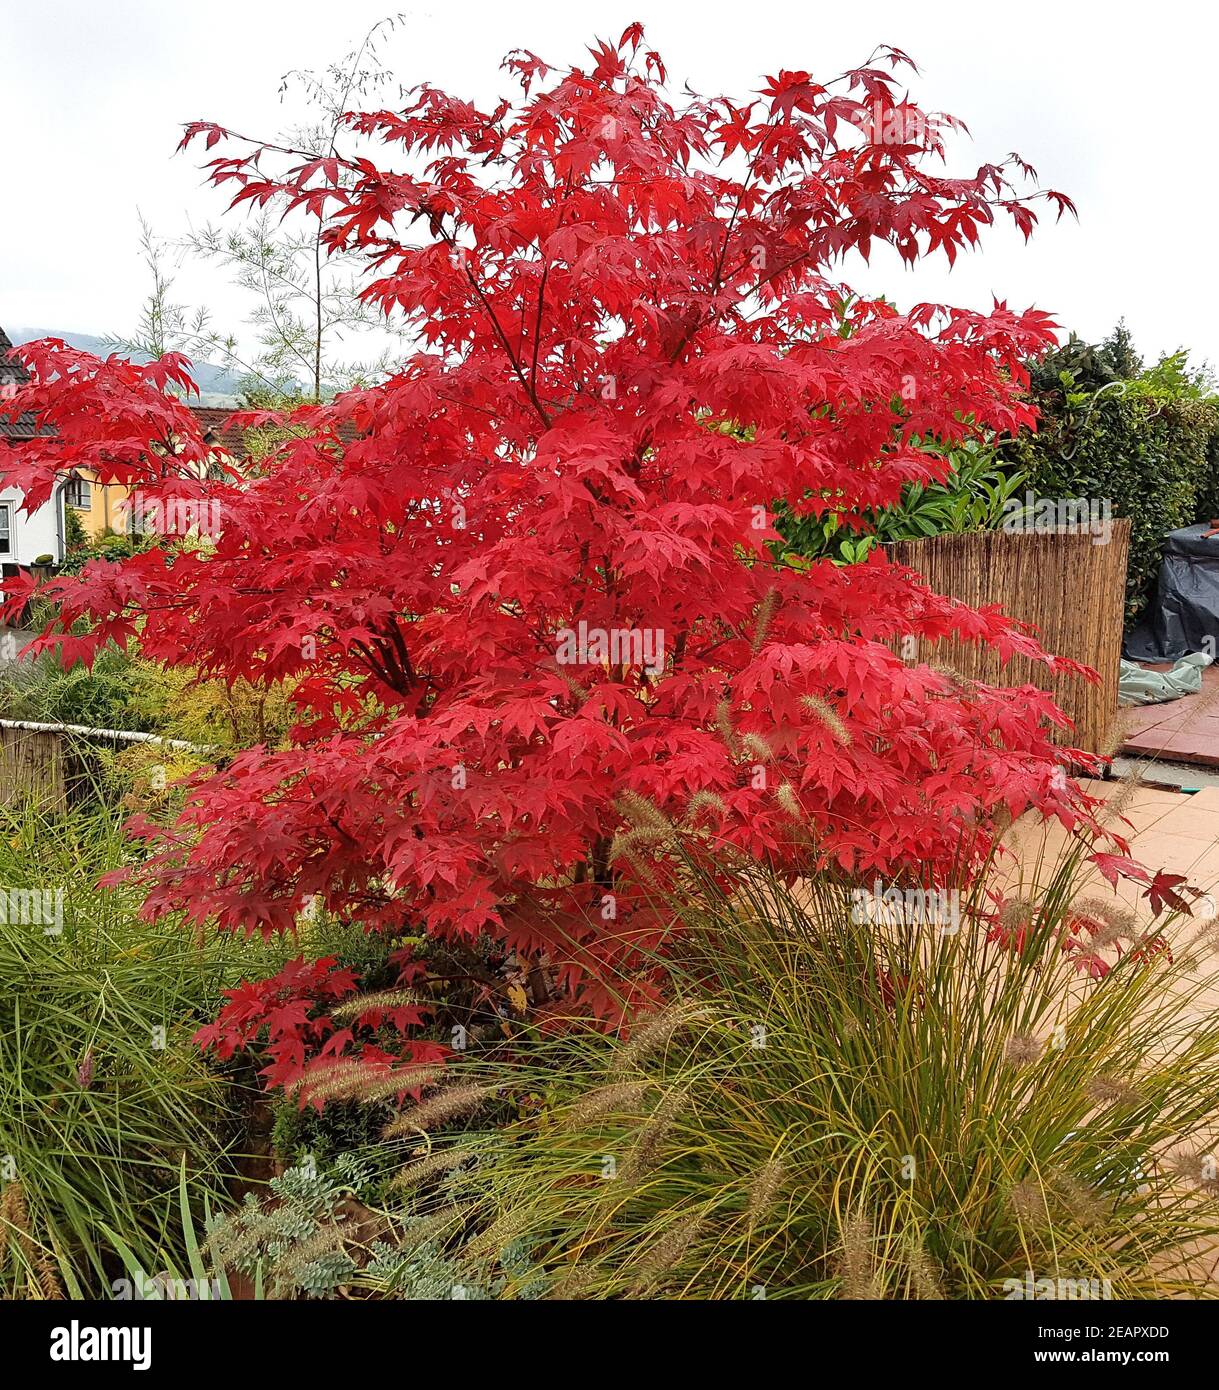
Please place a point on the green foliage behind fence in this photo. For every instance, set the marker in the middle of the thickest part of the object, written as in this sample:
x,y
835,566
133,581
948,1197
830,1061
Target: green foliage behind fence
x,y
1143,439
1152,452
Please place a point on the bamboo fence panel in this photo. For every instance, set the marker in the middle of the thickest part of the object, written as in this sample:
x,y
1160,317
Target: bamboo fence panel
x,y
1069,589
32,765
54,763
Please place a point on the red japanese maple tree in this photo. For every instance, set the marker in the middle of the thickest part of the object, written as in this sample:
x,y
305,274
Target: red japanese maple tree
x,y
529,585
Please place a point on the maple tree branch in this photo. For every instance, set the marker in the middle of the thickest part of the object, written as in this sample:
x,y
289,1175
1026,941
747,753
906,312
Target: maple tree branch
x,y
537,323
526,385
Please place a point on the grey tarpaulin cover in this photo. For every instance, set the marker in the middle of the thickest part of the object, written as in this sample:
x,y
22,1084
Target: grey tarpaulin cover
x,y
1137,686
1184,615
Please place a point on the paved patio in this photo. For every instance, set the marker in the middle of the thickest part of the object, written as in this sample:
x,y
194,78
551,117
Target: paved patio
x,y
1169,830
1184,730
1174,831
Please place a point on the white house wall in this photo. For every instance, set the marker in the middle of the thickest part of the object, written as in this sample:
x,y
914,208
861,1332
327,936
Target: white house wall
x,y
34,534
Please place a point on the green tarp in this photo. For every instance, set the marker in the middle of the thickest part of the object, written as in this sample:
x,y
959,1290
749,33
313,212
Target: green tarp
x,y
1138,686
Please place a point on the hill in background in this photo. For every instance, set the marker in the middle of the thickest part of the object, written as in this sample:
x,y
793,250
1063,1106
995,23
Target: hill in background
x,y
217,385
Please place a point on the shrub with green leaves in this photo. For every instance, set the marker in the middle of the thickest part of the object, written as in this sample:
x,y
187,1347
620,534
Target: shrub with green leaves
x,y
1147,440
293,1235
45,691
312,1236
975,496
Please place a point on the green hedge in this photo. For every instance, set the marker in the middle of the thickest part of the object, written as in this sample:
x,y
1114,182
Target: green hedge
x,y
1154,455
1207,506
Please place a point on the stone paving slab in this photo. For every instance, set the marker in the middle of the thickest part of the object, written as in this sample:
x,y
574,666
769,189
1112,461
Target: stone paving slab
x,y
1184,730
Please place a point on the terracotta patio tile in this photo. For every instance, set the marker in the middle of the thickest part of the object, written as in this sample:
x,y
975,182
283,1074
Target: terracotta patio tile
x,y
1150,738
1173,717
1180,854
1204,801
1186,747
1186,730
1157,798
1197,817
1144,717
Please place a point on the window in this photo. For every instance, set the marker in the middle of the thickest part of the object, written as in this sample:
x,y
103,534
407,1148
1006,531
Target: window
x,y
79,494
6,528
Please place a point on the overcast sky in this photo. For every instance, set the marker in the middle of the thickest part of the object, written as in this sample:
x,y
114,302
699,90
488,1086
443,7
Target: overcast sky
x,y
1114,106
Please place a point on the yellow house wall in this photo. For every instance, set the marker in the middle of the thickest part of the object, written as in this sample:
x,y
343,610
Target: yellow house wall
x,y
106,512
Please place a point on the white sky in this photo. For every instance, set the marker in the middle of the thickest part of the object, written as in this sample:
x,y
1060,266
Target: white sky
x,y
1114,105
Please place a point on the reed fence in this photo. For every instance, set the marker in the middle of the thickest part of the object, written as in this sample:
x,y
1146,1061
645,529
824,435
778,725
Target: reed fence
x,y
32,766
1065,584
